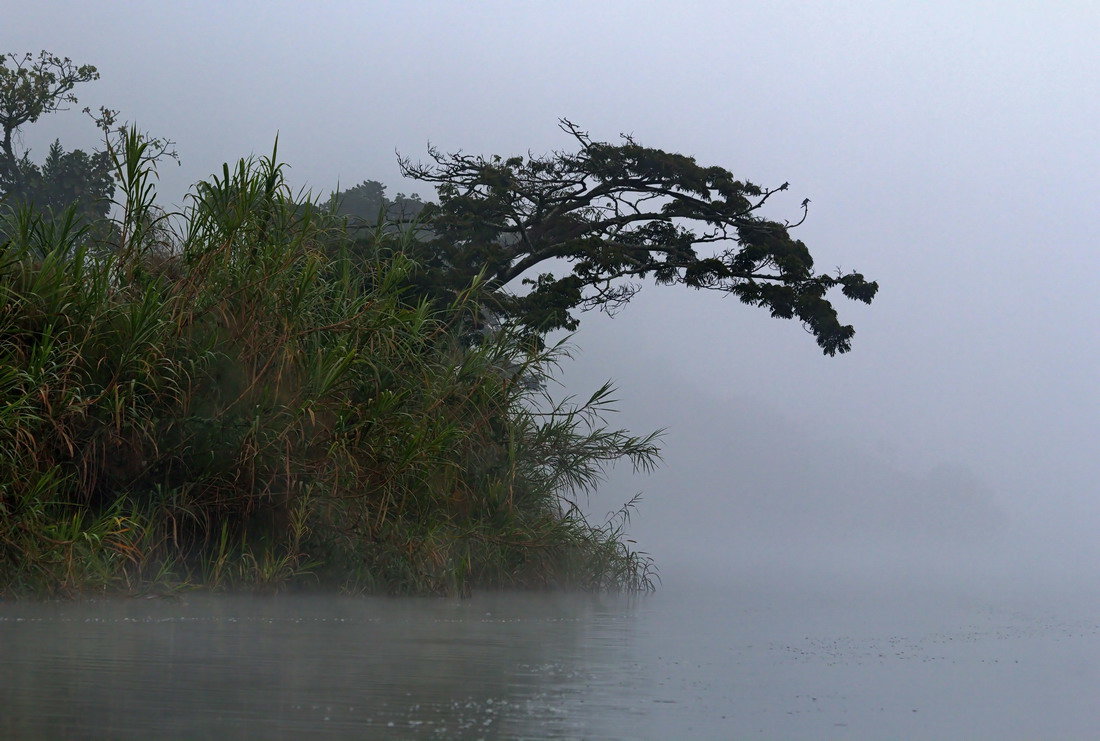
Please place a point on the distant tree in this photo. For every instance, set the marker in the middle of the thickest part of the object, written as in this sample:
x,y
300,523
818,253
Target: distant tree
x,y
64,179
31,87
365,204
578,229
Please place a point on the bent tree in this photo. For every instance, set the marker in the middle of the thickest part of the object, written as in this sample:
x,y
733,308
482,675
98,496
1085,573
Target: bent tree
x,y
577,230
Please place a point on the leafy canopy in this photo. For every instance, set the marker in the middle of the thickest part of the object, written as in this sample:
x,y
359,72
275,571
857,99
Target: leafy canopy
x,y
366,204
29,88
579,229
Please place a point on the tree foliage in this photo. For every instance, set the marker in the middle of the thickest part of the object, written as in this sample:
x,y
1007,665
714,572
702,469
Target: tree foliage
x,y
612,215
366,204
255,408
31,87
75,178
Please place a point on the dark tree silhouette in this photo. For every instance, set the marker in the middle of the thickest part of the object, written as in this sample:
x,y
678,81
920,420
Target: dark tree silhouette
x,y
579,229
65,179
31,87
364,205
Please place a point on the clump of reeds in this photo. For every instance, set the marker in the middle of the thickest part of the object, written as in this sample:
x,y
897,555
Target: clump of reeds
x,y
230,396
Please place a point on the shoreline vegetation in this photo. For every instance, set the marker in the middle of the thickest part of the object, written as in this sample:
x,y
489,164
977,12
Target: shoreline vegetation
x,y
269,391
245,395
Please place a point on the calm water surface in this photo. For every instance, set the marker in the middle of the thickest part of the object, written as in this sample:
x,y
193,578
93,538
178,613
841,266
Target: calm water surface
x,y
744,662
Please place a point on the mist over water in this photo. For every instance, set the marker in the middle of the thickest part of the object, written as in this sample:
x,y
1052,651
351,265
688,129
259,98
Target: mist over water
x,y
771,470
754,660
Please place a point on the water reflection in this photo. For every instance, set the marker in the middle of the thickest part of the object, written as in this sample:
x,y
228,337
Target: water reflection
x,y
748,663
493,667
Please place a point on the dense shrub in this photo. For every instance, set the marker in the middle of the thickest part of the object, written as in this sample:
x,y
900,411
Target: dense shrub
x,y
230,396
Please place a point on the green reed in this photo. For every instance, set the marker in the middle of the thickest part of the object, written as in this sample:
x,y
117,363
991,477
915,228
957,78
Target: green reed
x,y
233,396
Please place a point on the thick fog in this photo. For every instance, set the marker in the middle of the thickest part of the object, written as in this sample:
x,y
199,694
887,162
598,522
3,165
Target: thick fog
x,y
949,151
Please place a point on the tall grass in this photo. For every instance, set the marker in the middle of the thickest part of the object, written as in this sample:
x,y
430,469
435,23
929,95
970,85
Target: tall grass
x,y
231,397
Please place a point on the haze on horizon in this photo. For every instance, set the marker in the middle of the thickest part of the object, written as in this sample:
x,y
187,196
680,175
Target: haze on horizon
x,y
949,150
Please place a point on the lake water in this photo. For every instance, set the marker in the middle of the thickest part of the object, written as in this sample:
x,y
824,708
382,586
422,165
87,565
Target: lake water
x,y
744,661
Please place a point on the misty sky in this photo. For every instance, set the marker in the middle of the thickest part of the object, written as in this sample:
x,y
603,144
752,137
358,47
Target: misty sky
x,y
950,152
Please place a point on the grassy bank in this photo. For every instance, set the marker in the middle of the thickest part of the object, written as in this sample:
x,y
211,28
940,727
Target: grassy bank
x,y
234,397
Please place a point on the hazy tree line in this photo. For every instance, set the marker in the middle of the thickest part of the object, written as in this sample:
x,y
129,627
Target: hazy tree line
x,y
260,389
